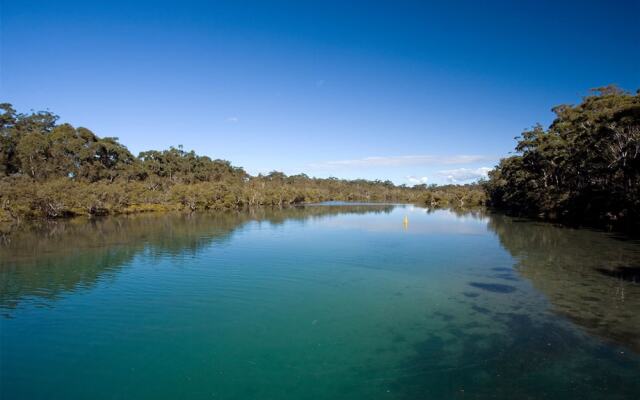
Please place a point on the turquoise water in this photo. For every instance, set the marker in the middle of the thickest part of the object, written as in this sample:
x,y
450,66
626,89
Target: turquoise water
x,y
321,302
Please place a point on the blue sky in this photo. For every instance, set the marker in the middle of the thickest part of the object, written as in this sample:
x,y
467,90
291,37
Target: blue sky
x,y
407,91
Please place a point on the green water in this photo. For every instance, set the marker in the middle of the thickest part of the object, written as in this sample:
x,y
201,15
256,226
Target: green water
x,y
321,302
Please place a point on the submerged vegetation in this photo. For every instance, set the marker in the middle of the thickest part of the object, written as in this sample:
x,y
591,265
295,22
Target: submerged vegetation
x,y
584,168
52,170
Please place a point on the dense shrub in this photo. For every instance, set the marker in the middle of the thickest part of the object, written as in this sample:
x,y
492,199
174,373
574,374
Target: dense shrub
x,y
50,170
585,167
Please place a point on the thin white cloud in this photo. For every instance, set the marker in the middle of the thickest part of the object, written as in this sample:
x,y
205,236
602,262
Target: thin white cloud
x,y
461,175
417,180
398,161
233,120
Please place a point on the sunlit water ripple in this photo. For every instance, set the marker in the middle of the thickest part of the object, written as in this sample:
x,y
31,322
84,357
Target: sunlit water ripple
x,y
319,302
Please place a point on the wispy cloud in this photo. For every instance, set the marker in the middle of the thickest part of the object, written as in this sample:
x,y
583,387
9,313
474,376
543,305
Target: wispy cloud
x,y
233,120
398,161
460,175
417,180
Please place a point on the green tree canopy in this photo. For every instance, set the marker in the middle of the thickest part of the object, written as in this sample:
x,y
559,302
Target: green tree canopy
x,y
584,167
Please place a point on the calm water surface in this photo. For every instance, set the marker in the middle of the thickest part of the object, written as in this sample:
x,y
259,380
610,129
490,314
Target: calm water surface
x,y
321,302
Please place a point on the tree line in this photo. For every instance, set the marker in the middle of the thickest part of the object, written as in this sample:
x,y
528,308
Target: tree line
x,y
50,170
585,167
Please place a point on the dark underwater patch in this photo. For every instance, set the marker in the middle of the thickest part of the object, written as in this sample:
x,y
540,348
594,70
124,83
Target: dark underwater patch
x,y
398,338
629,274
493,287
500,365
471,294
506,277
444,316
481,310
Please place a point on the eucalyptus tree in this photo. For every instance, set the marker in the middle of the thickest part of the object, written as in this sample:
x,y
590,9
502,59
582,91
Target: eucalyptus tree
x,y
584,167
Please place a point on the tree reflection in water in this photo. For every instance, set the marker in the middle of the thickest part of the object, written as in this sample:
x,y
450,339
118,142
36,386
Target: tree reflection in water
x,y
588,276
45,260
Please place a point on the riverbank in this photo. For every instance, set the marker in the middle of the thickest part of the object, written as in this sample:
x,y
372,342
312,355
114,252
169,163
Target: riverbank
x,y
23,198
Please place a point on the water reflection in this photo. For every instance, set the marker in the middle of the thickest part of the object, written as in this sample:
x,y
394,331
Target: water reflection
x,y
329,304
508,345
43,261
588,276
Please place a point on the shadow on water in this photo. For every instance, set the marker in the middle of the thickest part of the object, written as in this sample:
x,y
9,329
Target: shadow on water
x,y
629,274
493,287
523,359
590,277
44,261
